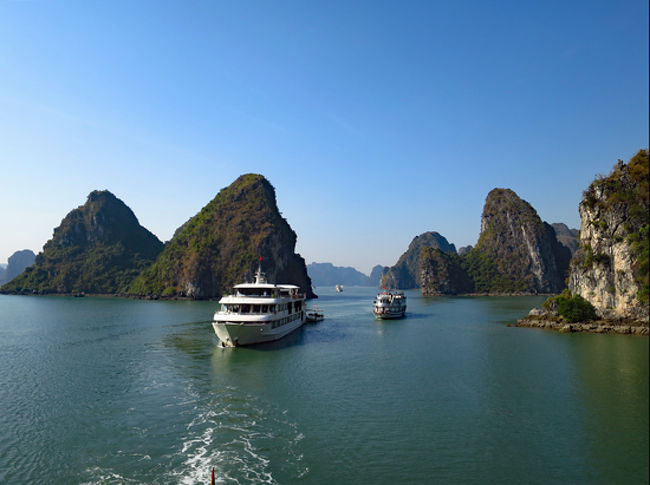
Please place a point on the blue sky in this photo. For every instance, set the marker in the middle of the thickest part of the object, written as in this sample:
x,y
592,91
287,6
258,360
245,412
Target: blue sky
x,y
375,121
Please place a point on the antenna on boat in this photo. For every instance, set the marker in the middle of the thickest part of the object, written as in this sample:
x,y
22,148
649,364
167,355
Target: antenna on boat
x,y
259,276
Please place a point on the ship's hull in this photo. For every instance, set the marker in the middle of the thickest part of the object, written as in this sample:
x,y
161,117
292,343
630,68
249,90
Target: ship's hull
x,y
389,315
235,334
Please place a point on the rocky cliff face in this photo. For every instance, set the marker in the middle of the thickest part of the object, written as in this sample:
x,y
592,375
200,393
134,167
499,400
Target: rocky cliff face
x,y
566,237
17,264
520,250
610,269
376,274
442,273
406,272
98,248
221,246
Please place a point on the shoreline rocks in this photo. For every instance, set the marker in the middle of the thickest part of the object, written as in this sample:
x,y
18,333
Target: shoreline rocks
x,y
596,326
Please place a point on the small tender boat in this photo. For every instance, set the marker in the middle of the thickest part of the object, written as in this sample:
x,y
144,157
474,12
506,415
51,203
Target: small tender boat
x,y
389,304
314,315
339,288
258,312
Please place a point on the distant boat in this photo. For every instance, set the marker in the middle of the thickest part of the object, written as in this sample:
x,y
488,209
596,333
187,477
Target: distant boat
x,y
314,315
258,312
389,304
339,288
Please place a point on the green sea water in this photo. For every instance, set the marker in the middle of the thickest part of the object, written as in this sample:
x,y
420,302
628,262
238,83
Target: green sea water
x,y
99,390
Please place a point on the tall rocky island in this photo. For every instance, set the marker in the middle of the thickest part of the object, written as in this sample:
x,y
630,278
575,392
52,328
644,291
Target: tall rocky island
x,y
221,245
406,273
517,253
610,268
98,249
608,277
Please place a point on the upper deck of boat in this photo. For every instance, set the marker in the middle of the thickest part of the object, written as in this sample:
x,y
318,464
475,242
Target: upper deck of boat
x,y
262,290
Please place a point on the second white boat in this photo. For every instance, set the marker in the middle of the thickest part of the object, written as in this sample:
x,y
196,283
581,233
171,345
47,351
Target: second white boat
x,y
389,304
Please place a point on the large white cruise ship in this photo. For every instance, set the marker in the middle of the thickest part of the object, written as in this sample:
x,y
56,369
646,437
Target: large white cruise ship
x,y
259,312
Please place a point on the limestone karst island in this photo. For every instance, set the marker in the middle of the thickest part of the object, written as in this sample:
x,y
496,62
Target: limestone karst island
x,y
599,274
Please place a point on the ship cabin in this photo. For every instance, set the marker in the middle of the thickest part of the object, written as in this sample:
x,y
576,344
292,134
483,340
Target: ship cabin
x,y
264,299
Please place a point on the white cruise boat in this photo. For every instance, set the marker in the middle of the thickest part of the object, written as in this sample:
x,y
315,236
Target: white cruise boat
x,y
389,304
258,312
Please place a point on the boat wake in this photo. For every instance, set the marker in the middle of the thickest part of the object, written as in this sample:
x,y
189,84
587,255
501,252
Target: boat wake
x,y
245,440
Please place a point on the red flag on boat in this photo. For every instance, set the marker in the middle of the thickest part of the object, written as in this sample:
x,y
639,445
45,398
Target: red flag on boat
x,y
212,479
260,259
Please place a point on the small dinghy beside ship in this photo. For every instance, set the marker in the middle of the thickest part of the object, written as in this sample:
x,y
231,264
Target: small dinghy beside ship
x,y
389,304
314,315
259,312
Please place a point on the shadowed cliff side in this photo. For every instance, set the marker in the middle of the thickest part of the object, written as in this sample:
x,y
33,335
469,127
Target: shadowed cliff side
x,y
406,272
442,273
567,237
516,252
221,246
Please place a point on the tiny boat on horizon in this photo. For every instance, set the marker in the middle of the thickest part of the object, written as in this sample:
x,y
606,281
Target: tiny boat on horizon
x,y
339,288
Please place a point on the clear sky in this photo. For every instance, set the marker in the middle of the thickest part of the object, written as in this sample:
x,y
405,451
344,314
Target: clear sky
x,y
375,121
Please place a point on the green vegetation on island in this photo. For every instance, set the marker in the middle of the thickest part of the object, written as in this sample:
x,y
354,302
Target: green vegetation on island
x,y
572,308
406,273
442,273
517,253
608,276
221,246
620,203
99,248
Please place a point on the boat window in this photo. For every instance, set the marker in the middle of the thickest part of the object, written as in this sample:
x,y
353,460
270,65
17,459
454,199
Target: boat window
x,y
245,308
265,308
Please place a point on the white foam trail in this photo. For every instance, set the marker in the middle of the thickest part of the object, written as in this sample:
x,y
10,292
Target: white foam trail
x,y
231,438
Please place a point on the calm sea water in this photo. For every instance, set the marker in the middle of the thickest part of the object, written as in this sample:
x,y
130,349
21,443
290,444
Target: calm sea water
x,y
119,391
